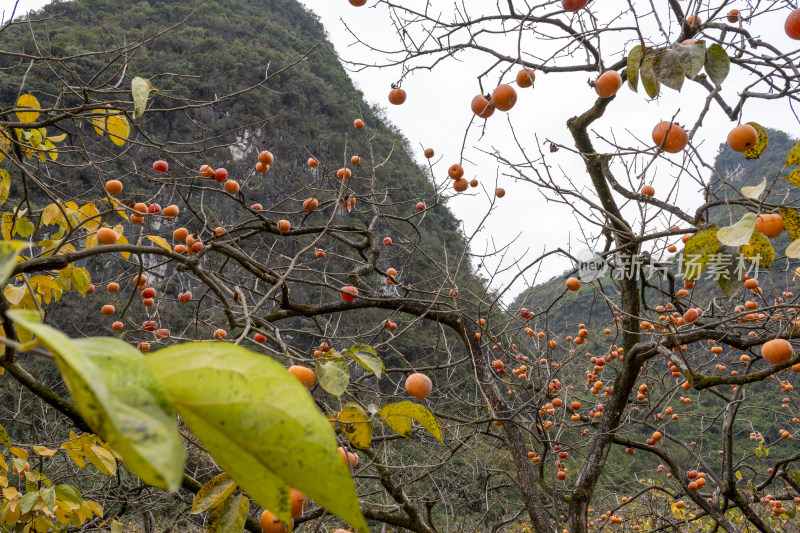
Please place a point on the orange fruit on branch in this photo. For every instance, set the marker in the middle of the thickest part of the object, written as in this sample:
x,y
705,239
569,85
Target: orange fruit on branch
x,y
671,136
608,84
769,224
777,351
482,107
504,97
419,385
305,375
742,138
397,96
525,78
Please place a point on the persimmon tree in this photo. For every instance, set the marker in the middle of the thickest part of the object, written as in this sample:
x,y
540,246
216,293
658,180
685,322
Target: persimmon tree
x,y
499,415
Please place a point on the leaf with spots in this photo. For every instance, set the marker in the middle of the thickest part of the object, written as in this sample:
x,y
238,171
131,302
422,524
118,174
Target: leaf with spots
x,y
691,57
791,221
634,63
398,416
355,424
213,493
696,253
759,251
229,517
260,424
718,64
668,69
762,141
121,399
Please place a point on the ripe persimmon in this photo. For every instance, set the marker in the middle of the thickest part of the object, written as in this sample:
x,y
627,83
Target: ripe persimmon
x,y
397,96
420,206
231,186
769,224
792,24
355,160
455,171
481,106
266,157
113,187
117,326
648,190
349,293
180,234
504,97
284,226
107,236
691,20
742,138
310,204
313,163
573,5
573,284
671,136
473,183
419,385
171,212
349,458
777,351
344,173
428,153
112,287
358,3
261,168
608,84
305,375
220,175
358,123
733,16
206,171
525,78
269,522
108,310
298,501
460,185
500,192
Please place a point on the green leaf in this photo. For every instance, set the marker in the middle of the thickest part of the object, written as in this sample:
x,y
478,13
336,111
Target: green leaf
x,y
691,57
761,142
213,493
738,475
757,451
8,257
120,398
759,250
354,423
399,415
793,250
24,227
754,191
68,493
5,185
738,234
634,62
793,157
260,424
229,517
48,496
117,527
718,64
334,376
794,475
4,440
649,79
28,501
697,251
668,69
791,221
366,356
81,280
140,89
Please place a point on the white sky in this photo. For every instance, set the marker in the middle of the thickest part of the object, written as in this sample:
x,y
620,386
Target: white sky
x,y
437,113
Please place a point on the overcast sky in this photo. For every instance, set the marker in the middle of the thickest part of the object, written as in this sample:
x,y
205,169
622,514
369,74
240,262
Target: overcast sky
x,y
437,112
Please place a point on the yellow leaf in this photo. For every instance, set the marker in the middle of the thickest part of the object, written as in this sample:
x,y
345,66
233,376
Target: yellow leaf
x,y
28,101
58,138
95,507
44,451
14,294
89,213
102,460
51,214
118,128
5,144
19,452
7,224
9,493
123,240
99,123
161,241
91,240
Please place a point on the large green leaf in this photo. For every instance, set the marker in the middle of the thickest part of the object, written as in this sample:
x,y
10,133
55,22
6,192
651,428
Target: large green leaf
x,y
354,423
791,221
718,64
649,79
793,157
634,62
366,356
334,376
229,517
738,234
8,257
691,57
260,424
696,253
668,69
120,398
759,250
213,493
140,89
761,142
399,415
